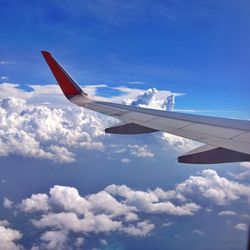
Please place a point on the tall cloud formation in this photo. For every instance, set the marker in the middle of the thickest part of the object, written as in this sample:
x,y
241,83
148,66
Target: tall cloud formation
x,y
121,209
152,98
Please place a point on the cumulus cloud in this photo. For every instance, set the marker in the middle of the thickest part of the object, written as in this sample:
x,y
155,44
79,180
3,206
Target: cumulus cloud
x,y
55,239
100,223
54,133
68,199
116,208
7,203
52,94
47,133
134,150
177,143
37,202
9,237
31,128
211,186
61,154
140,229
11,90
140,151
152,98
151,202
64,212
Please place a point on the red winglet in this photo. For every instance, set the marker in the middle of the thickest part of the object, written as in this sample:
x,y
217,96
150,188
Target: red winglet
x,y
65,81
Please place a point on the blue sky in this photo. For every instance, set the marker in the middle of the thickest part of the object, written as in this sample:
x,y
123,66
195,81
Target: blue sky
x,y
197,48
58,168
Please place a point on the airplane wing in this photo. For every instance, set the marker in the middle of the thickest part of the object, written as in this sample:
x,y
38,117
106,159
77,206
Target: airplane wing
x,y
226,140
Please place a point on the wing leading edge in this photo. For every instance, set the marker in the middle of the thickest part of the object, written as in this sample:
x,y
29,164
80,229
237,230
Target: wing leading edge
x,y
227,140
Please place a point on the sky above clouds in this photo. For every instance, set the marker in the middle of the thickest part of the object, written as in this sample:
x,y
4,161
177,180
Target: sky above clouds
x,y
197,48
64,183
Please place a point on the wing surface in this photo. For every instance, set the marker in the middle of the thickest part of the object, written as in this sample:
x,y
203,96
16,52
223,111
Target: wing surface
x,y
218,133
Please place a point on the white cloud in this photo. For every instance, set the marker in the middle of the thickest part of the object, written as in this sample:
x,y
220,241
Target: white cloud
x,y
119,200
152,98
140,229
211,186
52,94
245,171
125,160
150,202
55,239
7,203
178,143
12,90
134,150
4,223
47,133
61,154
79,241
245,164
37,202
103,212
103,242
227,213
3,78
68,199
241,226
199,232
42,131
242,175
119,208
140,151
103,202
100,223
8,237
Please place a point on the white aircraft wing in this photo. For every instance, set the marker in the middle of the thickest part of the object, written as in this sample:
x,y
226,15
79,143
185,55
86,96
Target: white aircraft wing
x,y
226,140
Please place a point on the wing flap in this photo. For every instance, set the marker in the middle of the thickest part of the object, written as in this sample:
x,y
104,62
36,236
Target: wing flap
x,y
210,155
129,128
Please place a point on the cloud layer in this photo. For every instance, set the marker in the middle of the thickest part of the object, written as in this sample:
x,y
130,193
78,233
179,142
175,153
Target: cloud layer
x,y
121,209
49,132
